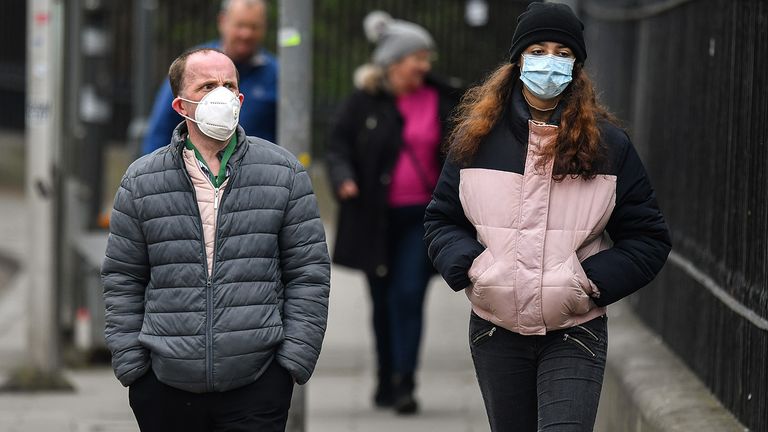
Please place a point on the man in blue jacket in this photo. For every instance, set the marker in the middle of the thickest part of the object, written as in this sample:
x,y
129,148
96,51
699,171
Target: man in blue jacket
x,y
242,26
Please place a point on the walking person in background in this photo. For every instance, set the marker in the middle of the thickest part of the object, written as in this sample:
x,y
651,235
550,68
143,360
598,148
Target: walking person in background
x,y
538,177
216,276
242,26
384,160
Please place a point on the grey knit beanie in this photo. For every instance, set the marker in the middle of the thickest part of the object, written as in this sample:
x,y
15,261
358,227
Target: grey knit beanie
x,y
394,39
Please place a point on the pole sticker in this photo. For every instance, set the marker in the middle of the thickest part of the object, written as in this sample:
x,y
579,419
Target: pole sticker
x,y
289,37
305,159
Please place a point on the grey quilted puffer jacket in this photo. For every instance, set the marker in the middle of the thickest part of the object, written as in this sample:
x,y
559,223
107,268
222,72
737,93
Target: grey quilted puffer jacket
x,y
267,296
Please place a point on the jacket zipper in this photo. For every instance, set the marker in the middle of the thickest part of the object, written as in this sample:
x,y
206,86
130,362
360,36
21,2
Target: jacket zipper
x,y
209,331
209,276
209,291
484,335
209,282
588,332
569,337
209,286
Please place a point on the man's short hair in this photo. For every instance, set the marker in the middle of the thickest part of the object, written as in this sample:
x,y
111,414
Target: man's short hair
x,y
225,4
179,66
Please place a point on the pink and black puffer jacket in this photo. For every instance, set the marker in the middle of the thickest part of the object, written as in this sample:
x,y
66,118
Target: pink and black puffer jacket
x,y
534,254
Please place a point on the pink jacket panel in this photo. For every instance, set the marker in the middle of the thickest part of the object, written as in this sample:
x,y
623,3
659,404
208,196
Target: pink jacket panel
x,y
536,232
207,201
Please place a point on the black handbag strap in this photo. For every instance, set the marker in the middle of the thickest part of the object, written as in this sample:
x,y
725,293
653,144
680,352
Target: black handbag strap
x,y
428,185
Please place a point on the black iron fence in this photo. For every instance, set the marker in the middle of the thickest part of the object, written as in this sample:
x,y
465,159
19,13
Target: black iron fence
x,y
693,82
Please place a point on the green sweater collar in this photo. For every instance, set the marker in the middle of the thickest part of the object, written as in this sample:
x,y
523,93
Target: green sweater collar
x,y
224,155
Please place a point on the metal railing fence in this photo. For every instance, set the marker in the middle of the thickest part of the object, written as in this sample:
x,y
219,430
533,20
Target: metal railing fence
x,y
696,97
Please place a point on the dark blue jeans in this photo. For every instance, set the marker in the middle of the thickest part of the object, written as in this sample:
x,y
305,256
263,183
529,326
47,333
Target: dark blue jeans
x,y
398,297
547,383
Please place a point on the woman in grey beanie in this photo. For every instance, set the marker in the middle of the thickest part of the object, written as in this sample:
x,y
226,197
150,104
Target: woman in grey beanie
x,y
384,159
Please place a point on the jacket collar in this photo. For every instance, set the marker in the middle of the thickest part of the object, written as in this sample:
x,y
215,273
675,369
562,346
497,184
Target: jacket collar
x,y
179,141
518,114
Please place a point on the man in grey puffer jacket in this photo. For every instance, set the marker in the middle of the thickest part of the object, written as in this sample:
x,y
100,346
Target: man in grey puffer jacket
x,y
216,276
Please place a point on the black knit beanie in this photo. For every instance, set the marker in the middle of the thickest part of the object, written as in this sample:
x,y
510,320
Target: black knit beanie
x,y
548,22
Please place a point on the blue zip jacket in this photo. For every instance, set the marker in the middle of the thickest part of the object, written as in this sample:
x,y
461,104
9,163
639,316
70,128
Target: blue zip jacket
x,y
258,83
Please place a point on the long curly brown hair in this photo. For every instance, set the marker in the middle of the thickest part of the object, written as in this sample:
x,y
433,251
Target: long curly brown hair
x,y
577,149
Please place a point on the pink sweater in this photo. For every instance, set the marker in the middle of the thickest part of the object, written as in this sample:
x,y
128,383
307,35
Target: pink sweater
x,y
421,137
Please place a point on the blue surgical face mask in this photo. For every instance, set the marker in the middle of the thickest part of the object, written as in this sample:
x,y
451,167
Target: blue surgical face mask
x,y
546,76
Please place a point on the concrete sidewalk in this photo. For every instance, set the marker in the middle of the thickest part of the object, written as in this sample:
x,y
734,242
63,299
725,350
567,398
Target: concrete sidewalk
x,y
338,396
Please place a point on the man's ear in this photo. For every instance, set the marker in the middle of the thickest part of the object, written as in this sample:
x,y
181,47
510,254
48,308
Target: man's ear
x,y
178,106
241,97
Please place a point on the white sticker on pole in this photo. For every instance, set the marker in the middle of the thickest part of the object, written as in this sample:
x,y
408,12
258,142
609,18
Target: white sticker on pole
x,y
288,37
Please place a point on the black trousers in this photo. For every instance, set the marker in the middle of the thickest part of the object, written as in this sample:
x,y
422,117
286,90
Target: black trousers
x,y
261,406
547,383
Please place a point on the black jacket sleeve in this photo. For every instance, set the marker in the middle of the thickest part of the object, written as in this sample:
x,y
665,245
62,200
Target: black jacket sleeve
x,y
340,152
451,239
640,236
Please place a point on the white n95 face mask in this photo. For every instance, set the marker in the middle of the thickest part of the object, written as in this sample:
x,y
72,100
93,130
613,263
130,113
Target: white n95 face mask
x,y
217,113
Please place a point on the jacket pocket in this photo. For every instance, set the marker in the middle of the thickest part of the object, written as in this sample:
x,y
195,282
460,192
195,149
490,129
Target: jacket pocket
x,y
579,276
565,293
579,302
480,265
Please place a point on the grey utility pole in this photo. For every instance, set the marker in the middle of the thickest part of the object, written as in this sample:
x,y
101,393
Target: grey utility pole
x,y
294,40
143,53
43,109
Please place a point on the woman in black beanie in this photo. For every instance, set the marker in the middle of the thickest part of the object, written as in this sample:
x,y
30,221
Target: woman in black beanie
x,y
543,215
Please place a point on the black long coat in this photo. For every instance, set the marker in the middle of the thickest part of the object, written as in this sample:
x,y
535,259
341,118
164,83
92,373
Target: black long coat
x,y
366,139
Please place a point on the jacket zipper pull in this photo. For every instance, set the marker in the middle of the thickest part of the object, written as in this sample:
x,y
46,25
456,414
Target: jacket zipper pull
x,y
215,198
